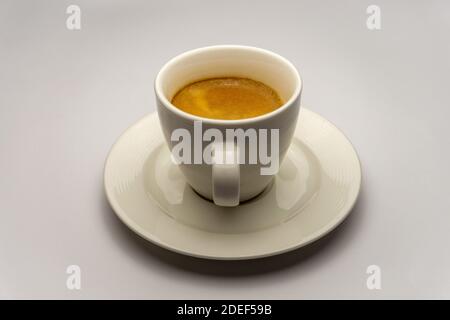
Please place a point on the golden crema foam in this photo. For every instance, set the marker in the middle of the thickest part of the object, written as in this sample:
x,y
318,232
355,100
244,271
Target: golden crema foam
x,y
228,98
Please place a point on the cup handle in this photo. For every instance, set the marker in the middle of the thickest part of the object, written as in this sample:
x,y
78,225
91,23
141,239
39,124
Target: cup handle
x,y
225,174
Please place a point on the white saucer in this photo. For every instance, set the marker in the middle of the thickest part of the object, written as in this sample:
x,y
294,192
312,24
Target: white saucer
x,y
317,186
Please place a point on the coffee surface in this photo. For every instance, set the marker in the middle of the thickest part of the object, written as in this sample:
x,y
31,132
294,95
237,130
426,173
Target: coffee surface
x,y
227,98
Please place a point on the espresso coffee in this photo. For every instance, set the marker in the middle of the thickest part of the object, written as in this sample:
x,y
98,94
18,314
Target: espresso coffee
x,y
228,98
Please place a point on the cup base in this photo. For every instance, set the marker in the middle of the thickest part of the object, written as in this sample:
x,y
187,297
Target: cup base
x,y
243,200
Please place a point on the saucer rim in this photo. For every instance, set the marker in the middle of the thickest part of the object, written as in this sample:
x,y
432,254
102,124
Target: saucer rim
x,y
138,230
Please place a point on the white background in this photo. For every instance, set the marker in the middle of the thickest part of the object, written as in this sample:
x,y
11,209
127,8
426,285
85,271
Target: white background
x,y
66,96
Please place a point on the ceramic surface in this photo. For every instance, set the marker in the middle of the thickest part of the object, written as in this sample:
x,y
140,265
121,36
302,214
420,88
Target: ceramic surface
x,y
231,184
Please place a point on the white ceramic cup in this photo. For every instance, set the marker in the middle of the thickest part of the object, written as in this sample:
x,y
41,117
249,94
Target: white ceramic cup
x,y
228,184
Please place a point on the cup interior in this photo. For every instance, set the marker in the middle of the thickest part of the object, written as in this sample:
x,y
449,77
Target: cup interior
x,y
228,61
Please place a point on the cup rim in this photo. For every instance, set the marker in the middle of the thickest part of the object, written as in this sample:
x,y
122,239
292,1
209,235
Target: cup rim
x,y
167,104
